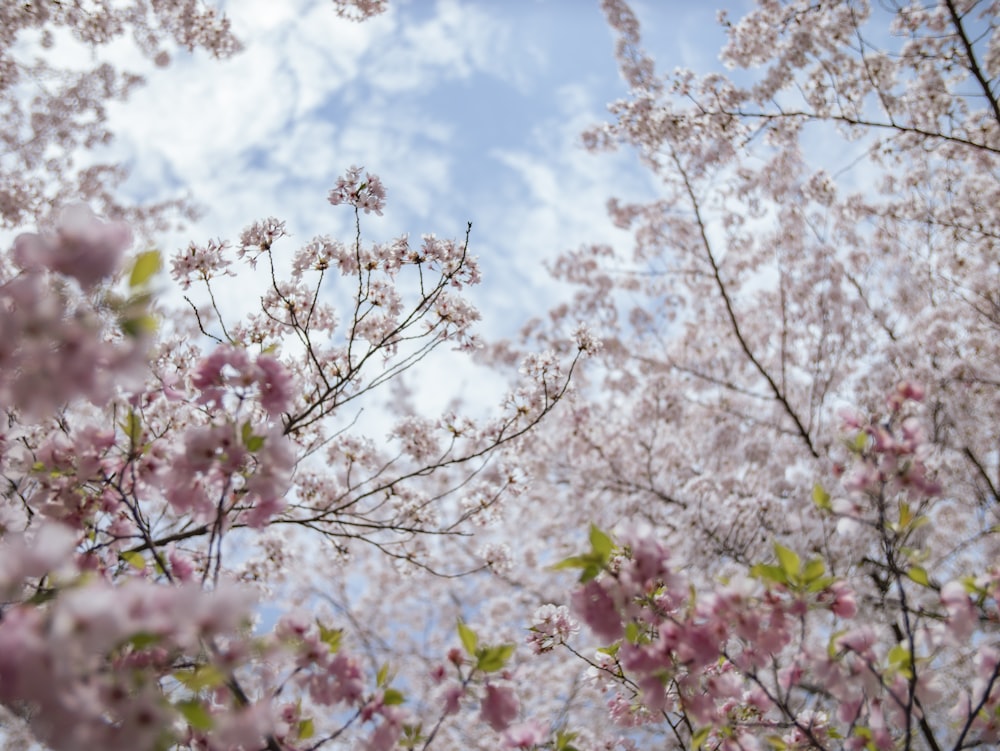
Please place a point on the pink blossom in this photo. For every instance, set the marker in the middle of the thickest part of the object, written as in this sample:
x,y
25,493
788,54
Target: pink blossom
x,y
245,729
276,385
598,610
388,731
962,617
905,391
524,735
648,559
551,625
34,554
225,367
367,194
699,644
201,263
500,706
844,604
860,640
359,10
181,567
82,247
349,681
654,693
452,695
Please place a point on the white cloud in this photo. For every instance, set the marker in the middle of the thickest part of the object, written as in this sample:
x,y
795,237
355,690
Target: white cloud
x,y
457,42
468,111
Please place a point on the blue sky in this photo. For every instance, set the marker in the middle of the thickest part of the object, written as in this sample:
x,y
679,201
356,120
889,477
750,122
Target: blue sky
x,y
468,110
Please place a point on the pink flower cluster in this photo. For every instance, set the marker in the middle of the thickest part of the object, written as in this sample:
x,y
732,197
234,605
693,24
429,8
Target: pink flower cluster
x,y
55,344
705,656
359,10
201,263
81,247
89,666
331,676
367,194
500,706
739,659
233,464
229,370
890,455
551,625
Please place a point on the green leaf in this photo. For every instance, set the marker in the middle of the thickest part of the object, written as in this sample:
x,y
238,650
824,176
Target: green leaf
x,y
831,645
134,559
769,572
143,639
306,729
821,498
818,585
563,740
776,742
574,561
592,564
700,737
632,632
145,266
492,659
412,735
195,714
142,324
919,575
601,543
43,595
590,573
331,637
905,515
202,677
789,560
814,570
251,441
383,673
391,697
132,427
863,732
469,639
899,657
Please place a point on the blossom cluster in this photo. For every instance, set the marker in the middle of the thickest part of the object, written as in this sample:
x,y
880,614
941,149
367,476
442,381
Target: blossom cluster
x,y
53,109
90,668
367,194
54,346
359,10
150,501
734,658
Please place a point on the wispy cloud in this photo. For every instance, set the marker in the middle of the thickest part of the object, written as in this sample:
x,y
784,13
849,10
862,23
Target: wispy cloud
x,y
468,111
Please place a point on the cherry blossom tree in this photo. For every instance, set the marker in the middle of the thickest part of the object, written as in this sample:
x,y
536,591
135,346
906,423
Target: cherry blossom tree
x,y
783,439
167,473
52,112
792,422
150,481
